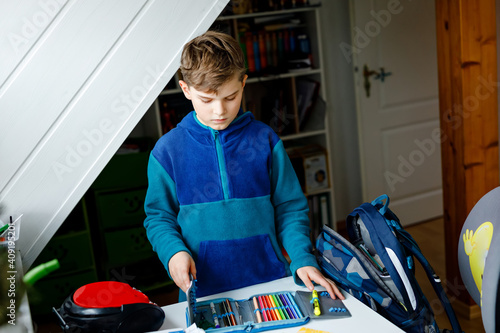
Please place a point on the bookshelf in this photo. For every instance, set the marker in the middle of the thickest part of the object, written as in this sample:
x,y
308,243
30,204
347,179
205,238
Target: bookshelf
x,y
275,93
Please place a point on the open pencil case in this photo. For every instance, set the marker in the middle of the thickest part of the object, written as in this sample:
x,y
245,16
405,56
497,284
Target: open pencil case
x,y
261,312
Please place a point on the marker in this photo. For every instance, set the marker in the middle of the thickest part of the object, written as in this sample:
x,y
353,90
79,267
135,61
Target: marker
x,y
275,308
214,315
290,307
270,312
290,298
280,307
286,310
257,311
315,300
264,315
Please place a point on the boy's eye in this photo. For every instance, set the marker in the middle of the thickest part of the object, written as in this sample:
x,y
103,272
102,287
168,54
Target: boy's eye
x,y
206,101
230,98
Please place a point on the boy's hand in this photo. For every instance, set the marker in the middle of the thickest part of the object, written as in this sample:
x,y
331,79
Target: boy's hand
x,y
309,273
180,266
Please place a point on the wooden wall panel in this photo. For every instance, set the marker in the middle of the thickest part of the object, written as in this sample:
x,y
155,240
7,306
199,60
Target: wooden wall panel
x,y
469,116
75,95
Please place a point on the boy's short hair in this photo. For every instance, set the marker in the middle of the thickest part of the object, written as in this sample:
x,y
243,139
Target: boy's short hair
x,y
210,60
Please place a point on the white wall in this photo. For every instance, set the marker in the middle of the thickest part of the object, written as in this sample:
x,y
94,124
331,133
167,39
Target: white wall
x,y
335,21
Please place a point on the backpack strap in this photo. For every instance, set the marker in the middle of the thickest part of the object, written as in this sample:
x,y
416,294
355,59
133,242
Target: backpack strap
x,y
408,242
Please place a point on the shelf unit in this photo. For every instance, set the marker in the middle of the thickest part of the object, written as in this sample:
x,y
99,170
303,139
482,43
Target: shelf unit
x,y
305,20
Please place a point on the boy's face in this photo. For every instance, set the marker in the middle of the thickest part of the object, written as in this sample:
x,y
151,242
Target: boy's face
x,y
216,110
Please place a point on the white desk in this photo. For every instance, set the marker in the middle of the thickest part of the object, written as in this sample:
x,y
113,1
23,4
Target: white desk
x,y
363,318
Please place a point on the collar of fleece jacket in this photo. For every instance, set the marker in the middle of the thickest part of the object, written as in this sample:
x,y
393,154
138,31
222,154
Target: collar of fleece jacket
x,y
205,134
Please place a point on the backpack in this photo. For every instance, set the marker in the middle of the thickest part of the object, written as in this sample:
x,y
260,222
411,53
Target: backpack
x,y
377,267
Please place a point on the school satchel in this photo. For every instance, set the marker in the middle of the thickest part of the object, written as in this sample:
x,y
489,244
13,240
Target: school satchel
x,y
377,267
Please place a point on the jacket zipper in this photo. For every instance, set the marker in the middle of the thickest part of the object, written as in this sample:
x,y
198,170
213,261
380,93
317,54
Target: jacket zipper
x,y
222,165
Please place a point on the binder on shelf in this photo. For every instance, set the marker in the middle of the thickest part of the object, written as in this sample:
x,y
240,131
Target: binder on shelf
x,y
319,214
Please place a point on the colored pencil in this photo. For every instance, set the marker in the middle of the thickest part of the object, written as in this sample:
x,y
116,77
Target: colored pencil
x,y
231,313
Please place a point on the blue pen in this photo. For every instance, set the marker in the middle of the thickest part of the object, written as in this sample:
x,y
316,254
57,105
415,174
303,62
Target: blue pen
x,y
295,305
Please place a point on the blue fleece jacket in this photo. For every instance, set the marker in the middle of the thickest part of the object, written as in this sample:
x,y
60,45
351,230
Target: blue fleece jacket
x,y
231,199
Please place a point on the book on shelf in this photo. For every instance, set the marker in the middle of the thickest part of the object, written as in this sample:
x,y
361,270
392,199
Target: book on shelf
x,y
172,109
274,50
307,94
239,7
276,111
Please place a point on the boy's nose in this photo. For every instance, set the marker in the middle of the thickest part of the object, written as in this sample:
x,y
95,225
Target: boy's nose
x,y
219,109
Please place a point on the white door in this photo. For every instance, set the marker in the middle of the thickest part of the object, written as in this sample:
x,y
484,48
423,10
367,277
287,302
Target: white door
x,y
398,114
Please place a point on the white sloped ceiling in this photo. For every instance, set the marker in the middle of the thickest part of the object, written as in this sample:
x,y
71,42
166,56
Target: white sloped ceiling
x,y
75,79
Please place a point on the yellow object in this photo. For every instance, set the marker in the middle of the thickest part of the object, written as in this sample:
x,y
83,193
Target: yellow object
x,y
310,330
477,246
317,310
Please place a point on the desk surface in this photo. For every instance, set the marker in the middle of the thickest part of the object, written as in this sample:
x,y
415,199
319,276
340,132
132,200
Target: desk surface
x,y
363,318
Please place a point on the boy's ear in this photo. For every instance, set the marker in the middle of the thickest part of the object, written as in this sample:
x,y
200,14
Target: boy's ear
x,y
185,89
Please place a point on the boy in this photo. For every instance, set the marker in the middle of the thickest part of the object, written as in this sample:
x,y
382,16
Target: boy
x,y
223,196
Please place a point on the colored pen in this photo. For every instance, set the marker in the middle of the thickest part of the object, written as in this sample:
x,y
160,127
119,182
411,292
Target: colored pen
x,y
214,315
270,312
287,306
264,314
280,307
275,307
315,300
257,311
290,298
290,307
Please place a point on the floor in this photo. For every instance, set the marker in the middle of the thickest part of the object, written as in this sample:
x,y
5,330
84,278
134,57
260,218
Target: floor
x,y
429,236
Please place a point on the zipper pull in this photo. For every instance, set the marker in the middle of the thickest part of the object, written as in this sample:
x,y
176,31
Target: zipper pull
x,y
215,134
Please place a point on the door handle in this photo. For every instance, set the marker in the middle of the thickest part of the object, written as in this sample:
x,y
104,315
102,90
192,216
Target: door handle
x,y
378,75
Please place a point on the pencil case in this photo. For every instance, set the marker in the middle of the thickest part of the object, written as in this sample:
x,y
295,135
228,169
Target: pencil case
x,y
261,312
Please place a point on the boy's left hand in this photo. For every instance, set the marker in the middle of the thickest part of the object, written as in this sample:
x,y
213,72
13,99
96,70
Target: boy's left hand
x,y
309,273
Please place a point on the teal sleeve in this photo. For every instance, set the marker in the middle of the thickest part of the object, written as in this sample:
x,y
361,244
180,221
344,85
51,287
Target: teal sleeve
x,y
291,212
161,207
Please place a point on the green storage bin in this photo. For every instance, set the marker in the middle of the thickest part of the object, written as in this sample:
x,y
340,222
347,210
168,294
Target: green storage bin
x,y
73,251
124,171
52,291
127,246
118,209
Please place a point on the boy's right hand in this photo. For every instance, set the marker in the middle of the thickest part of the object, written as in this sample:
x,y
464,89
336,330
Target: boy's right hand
x,y
181,265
